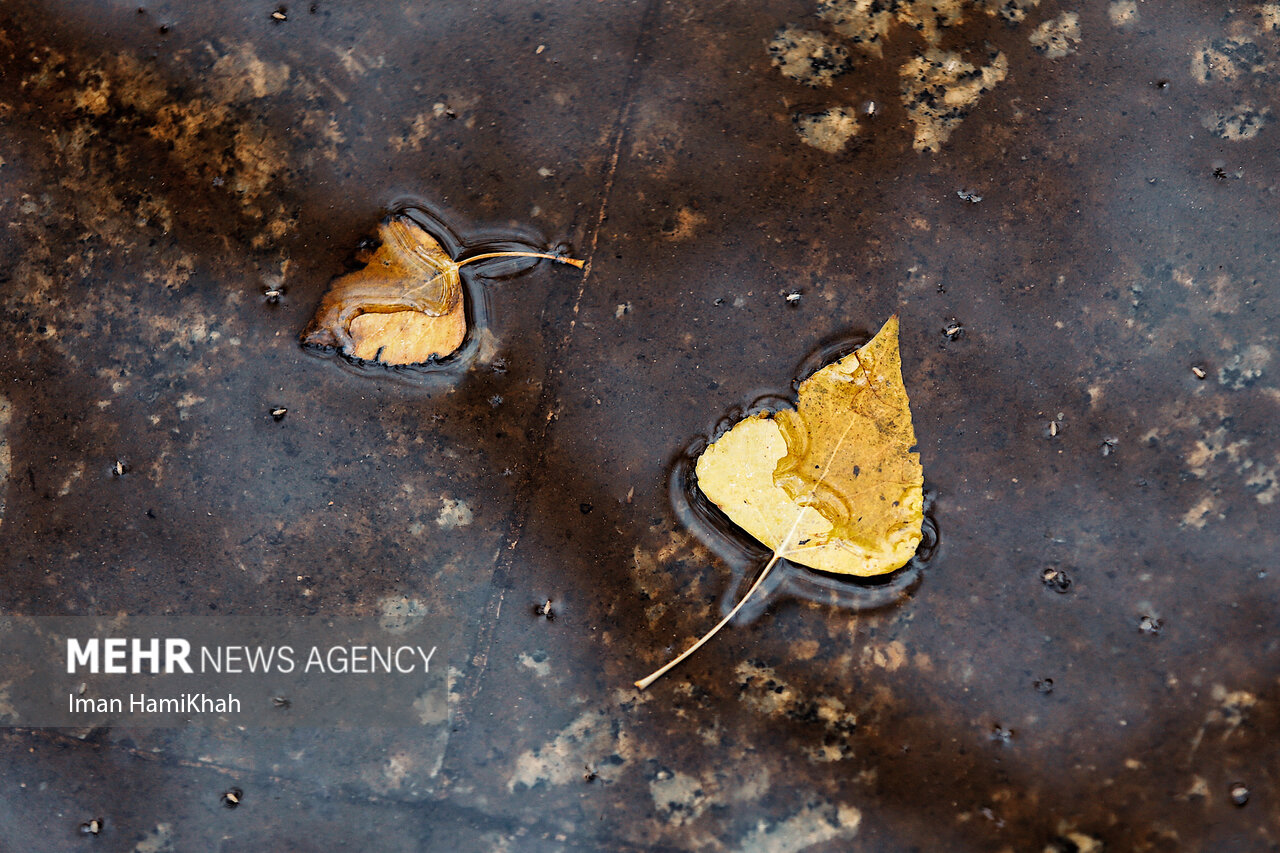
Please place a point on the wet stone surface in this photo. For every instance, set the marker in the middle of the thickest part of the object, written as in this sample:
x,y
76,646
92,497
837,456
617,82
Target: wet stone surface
x,y
180,188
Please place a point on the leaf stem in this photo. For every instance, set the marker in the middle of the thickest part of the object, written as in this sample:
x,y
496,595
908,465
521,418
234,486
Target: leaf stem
x,y
418,288
784,547
652,677
571,261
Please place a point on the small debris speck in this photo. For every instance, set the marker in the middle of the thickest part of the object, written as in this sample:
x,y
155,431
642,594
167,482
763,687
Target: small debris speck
x,y
232,798
1109,445
1000,734
120,468
1044,685
1198,371
969,196
793,297
279,15
545,611
1150,624
1056,579
278,413
1239,794
953,330
91,827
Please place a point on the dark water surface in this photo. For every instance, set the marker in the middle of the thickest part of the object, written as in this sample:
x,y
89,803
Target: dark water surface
x,y
164,167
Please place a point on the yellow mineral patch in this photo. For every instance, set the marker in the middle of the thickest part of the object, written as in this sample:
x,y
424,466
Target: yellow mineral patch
x,y
808,57
828,130
940,88
1123,13
1057,37
1241,122
1226,59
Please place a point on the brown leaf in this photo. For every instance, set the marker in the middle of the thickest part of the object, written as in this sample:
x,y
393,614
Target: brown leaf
x,y
405,306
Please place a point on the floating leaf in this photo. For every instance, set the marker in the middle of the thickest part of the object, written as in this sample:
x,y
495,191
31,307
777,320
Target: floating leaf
x,y
833,485
405,306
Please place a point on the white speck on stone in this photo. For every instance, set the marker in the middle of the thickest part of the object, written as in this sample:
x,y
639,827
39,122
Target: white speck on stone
x,y
622,310
453,514
544,172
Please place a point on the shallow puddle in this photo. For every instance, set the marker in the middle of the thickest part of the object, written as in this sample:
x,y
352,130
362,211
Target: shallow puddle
x,y
1071,211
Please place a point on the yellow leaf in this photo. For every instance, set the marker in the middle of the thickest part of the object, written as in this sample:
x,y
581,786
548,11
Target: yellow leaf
x,y
405,305
833,485
839,468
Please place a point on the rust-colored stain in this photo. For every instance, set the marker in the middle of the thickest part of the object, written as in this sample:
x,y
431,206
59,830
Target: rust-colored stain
x,y
1071,209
